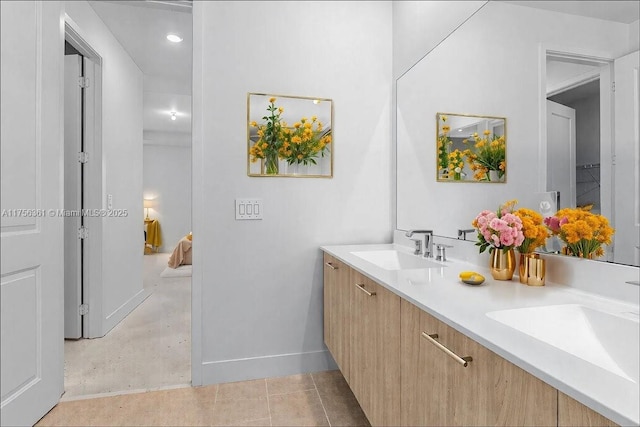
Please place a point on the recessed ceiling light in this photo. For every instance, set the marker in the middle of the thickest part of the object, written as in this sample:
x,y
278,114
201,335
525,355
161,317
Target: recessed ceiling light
x,y
173,115
174,38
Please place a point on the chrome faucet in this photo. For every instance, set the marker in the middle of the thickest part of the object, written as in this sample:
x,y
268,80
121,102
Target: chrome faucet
x,y
463,233
428,242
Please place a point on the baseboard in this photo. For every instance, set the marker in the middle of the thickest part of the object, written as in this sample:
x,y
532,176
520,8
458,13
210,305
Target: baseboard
x,y
279,365
123,311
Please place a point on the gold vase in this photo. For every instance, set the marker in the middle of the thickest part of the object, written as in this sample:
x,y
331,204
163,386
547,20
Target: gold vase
x,y
532,269
503,264
566,250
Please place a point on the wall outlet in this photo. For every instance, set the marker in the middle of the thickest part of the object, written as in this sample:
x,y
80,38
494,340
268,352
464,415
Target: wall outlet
x,y
248,209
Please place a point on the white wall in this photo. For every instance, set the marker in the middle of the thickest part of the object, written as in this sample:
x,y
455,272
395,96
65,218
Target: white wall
x,y
123,237
493,73
419,26
167,180
257,285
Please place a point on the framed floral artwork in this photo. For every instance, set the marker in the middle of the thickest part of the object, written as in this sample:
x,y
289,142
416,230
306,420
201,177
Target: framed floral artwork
x,y
471,148
289,136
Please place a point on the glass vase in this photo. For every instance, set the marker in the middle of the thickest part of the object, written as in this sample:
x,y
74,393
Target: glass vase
x,y
502,264
272,164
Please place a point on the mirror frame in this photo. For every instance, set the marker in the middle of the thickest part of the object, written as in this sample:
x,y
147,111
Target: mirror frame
x,y
324,160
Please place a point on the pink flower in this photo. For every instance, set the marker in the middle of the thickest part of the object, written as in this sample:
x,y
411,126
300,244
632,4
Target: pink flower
x,y
554,223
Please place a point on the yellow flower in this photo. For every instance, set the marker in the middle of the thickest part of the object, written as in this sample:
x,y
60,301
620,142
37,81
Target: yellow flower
x,y
445,129
272,99
253,124
444,118
297,125
280,110
487,132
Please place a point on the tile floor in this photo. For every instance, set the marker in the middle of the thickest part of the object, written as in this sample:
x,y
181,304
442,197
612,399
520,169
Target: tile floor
x,y
318,399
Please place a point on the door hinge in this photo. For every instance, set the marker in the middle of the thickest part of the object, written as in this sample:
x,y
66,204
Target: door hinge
x,y
83,157
613,86
83,232
83,82
83,309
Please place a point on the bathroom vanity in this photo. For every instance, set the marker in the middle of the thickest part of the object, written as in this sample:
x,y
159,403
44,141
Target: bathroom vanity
x,y
419,347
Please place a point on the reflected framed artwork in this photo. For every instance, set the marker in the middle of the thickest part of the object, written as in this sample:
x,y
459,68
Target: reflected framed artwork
x,y
471,148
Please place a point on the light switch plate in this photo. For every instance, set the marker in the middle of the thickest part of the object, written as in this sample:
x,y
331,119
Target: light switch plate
x,y
248,209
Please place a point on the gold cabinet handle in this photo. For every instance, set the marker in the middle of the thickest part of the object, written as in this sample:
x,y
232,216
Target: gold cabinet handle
x,y
331,266
361,287
464,361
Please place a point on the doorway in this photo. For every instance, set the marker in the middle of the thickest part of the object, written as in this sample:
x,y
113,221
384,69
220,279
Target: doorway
x,y
578,135
150,348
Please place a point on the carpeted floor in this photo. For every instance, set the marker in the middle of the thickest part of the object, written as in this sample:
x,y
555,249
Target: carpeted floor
x,y
149,350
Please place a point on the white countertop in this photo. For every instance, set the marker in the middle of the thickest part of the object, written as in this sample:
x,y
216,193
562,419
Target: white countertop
x,y
439,292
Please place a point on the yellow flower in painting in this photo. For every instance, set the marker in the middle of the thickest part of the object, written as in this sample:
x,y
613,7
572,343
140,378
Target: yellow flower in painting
x,y
272,100
280,110
253,124
446,129
444,118
314,118
487,132
297,125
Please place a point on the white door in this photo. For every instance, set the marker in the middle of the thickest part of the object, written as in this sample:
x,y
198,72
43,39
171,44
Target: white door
x,y
626,182
561,153
31,235
72,196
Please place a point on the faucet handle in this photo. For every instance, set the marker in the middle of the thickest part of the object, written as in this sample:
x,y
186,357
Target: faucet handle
x,y
418,246
441,248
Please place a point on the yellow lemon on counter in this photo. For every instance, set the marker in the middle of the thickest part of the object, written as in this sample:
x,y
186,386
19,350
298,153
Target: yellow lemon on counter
x,y
472,278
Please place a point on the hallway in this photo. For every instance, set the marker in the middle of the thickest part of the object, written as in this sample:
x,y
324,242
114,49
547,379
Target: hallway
x,y
150,349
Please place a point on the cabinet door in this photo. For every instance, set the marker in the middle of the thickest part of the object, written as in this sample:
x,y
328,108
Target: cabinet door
x,y
439,390
573,413
375,350
425,387
337,331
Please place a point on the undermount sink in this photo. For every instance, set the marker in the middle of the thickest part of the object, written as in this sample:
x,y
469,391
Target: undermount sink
x,y
391,259
607,340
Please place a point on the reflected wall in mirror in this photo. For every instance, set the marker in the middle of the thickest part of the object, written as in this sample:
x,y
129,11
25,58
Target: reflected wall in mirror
x,y
503,73
289,136
470,148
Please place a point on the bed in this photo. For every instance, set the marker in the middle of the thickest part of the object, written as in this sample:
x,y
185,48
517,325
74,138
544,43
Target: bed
x,y
181,254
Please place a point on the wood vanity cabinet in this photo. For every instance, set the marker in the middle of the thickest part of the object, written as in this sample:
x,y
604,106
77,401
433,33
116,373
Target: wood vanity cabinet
x,y
337,331
400,377
375,350
438,390
573,413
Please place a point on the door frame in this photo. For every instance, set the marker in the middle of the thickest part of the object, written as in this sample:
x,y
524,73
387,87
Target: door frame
x,y
93,183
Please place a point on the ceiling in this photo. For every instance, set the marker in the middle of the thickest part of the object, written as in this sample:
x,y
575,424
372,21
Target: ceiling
x,y
141,28
625,11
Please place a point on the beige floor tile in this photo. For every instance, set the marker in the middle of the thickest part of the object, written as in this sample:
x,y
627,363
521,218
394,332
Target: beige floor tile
x,y
331,383
262,422
302,408
343,410
253,389
290,384
238,411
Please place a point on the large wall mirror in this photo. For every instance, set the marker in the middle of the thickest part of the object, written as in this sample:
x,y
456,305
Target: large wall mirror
x,y
540,57
289,136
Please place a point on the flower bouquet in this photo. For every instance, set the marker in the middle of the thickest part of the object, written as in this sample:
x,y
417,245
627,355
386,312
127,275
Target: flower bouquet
x,y
534,230
582,232
487,154
501,232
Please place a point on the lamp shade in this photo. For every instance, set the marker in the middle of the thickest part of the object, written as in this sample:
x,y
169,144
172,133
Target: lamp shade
x,y
148,203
